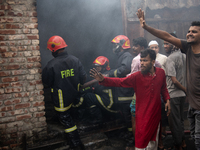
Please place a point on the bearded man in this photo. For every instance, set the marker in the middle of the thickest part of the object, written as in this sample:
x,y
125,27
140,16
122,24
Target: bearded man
x,y
148,84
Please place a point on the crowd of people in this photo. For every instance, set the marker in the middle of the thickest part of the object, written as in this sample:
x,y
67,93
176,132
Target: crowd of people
x,y
147,91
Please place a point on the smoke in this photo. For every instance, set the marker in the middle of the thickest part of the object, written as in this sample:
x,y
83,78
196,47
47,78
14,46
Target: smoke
x,y
87,27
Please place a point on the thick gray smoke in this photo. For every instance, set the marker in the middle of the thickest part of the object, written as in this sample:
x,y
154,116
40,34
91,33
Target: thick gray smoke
x,y
87,26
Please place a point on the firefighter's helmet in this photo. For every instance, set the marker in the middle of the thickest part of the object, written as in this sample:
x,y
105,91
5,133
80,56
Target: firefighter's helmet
x,y
102,61
55,43
123,41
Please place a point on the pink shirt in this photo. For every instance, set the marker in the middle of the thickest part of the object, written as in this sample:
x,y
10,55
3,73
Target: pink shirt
x,y
135,65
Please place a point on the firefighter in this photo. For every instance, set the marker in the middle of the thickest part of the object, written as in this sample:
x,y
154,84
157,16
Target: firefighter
x,y
121,47
63,74
98,99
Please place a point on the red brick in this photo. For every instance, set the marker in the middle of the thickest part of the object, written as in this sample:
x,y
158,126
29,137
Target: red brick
x,y
34,109
2,91
11,67
34,59
16,37
30,25
5,96
33,37
7,31
7,119
14,13
4,74
2,38
25,105
11,2
2,61
39,114
5,7
34,19
2,114
29,66
38,65
8,54
3,85
6,108
19,72
22,48
2,26
10,79
2,43
24,42
15,112
14,26
11,102
26,31
2,13
12,43
35,104
23,94
13,48
21,117
3,49
13,90
8,19
16,60
34,31
17,84
20,54
35,82
35,47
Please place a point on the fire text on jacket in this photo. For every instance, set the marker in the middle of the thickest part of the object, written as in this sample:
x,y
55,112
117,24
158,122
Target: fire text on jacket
x,y
67,73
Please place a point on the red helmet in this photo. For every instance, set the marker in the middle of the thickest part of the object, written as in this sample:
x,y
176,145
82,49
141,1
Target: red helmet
x,y
123,41
102,61
55,43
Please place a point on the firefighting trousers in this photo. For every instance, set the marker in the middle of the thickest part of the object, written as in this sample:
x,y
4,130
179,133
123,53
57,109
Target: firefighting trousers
x,y
70,128
98,105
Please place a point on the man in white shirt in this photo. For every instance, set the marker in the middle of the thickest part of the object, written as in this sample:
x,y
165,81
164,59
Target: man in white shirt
x,y
159,57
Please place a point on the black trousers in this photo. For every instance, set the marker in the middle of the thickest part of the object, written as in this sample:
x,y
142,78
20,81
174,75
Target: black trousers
x,y
70,128
176,119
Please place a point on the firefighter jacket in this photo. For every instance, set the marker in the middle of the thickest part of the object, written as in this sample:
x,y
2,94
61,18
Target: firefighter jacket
x,y
124,95
63,74
101,96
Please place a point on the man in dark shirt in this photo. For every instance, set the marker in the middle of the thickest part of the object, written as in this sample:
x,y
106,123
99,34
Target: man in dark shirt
x,y
63,74
191,47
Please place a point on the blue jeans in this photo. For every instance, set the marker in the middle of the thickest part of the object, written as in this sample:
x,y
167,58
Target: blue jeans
x,y
194,119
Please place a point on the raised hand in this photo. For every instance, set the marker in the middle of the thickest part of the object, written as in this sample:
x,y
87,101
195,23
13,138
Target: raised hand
x,y
140,15
96,75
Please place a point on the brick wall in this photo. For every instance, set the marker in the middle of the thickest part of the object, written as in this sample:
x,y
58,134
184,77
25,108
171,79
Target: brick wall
x,y
21,88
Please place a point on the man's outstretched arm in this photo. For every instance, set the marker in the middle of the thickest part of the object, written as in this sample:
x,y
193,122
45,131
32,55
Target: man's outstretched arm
x,y
158,33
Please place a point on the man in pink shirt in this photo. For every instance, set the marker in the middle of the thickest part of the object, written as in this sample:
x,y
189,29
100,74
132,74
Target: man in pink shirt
x,y
148,84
